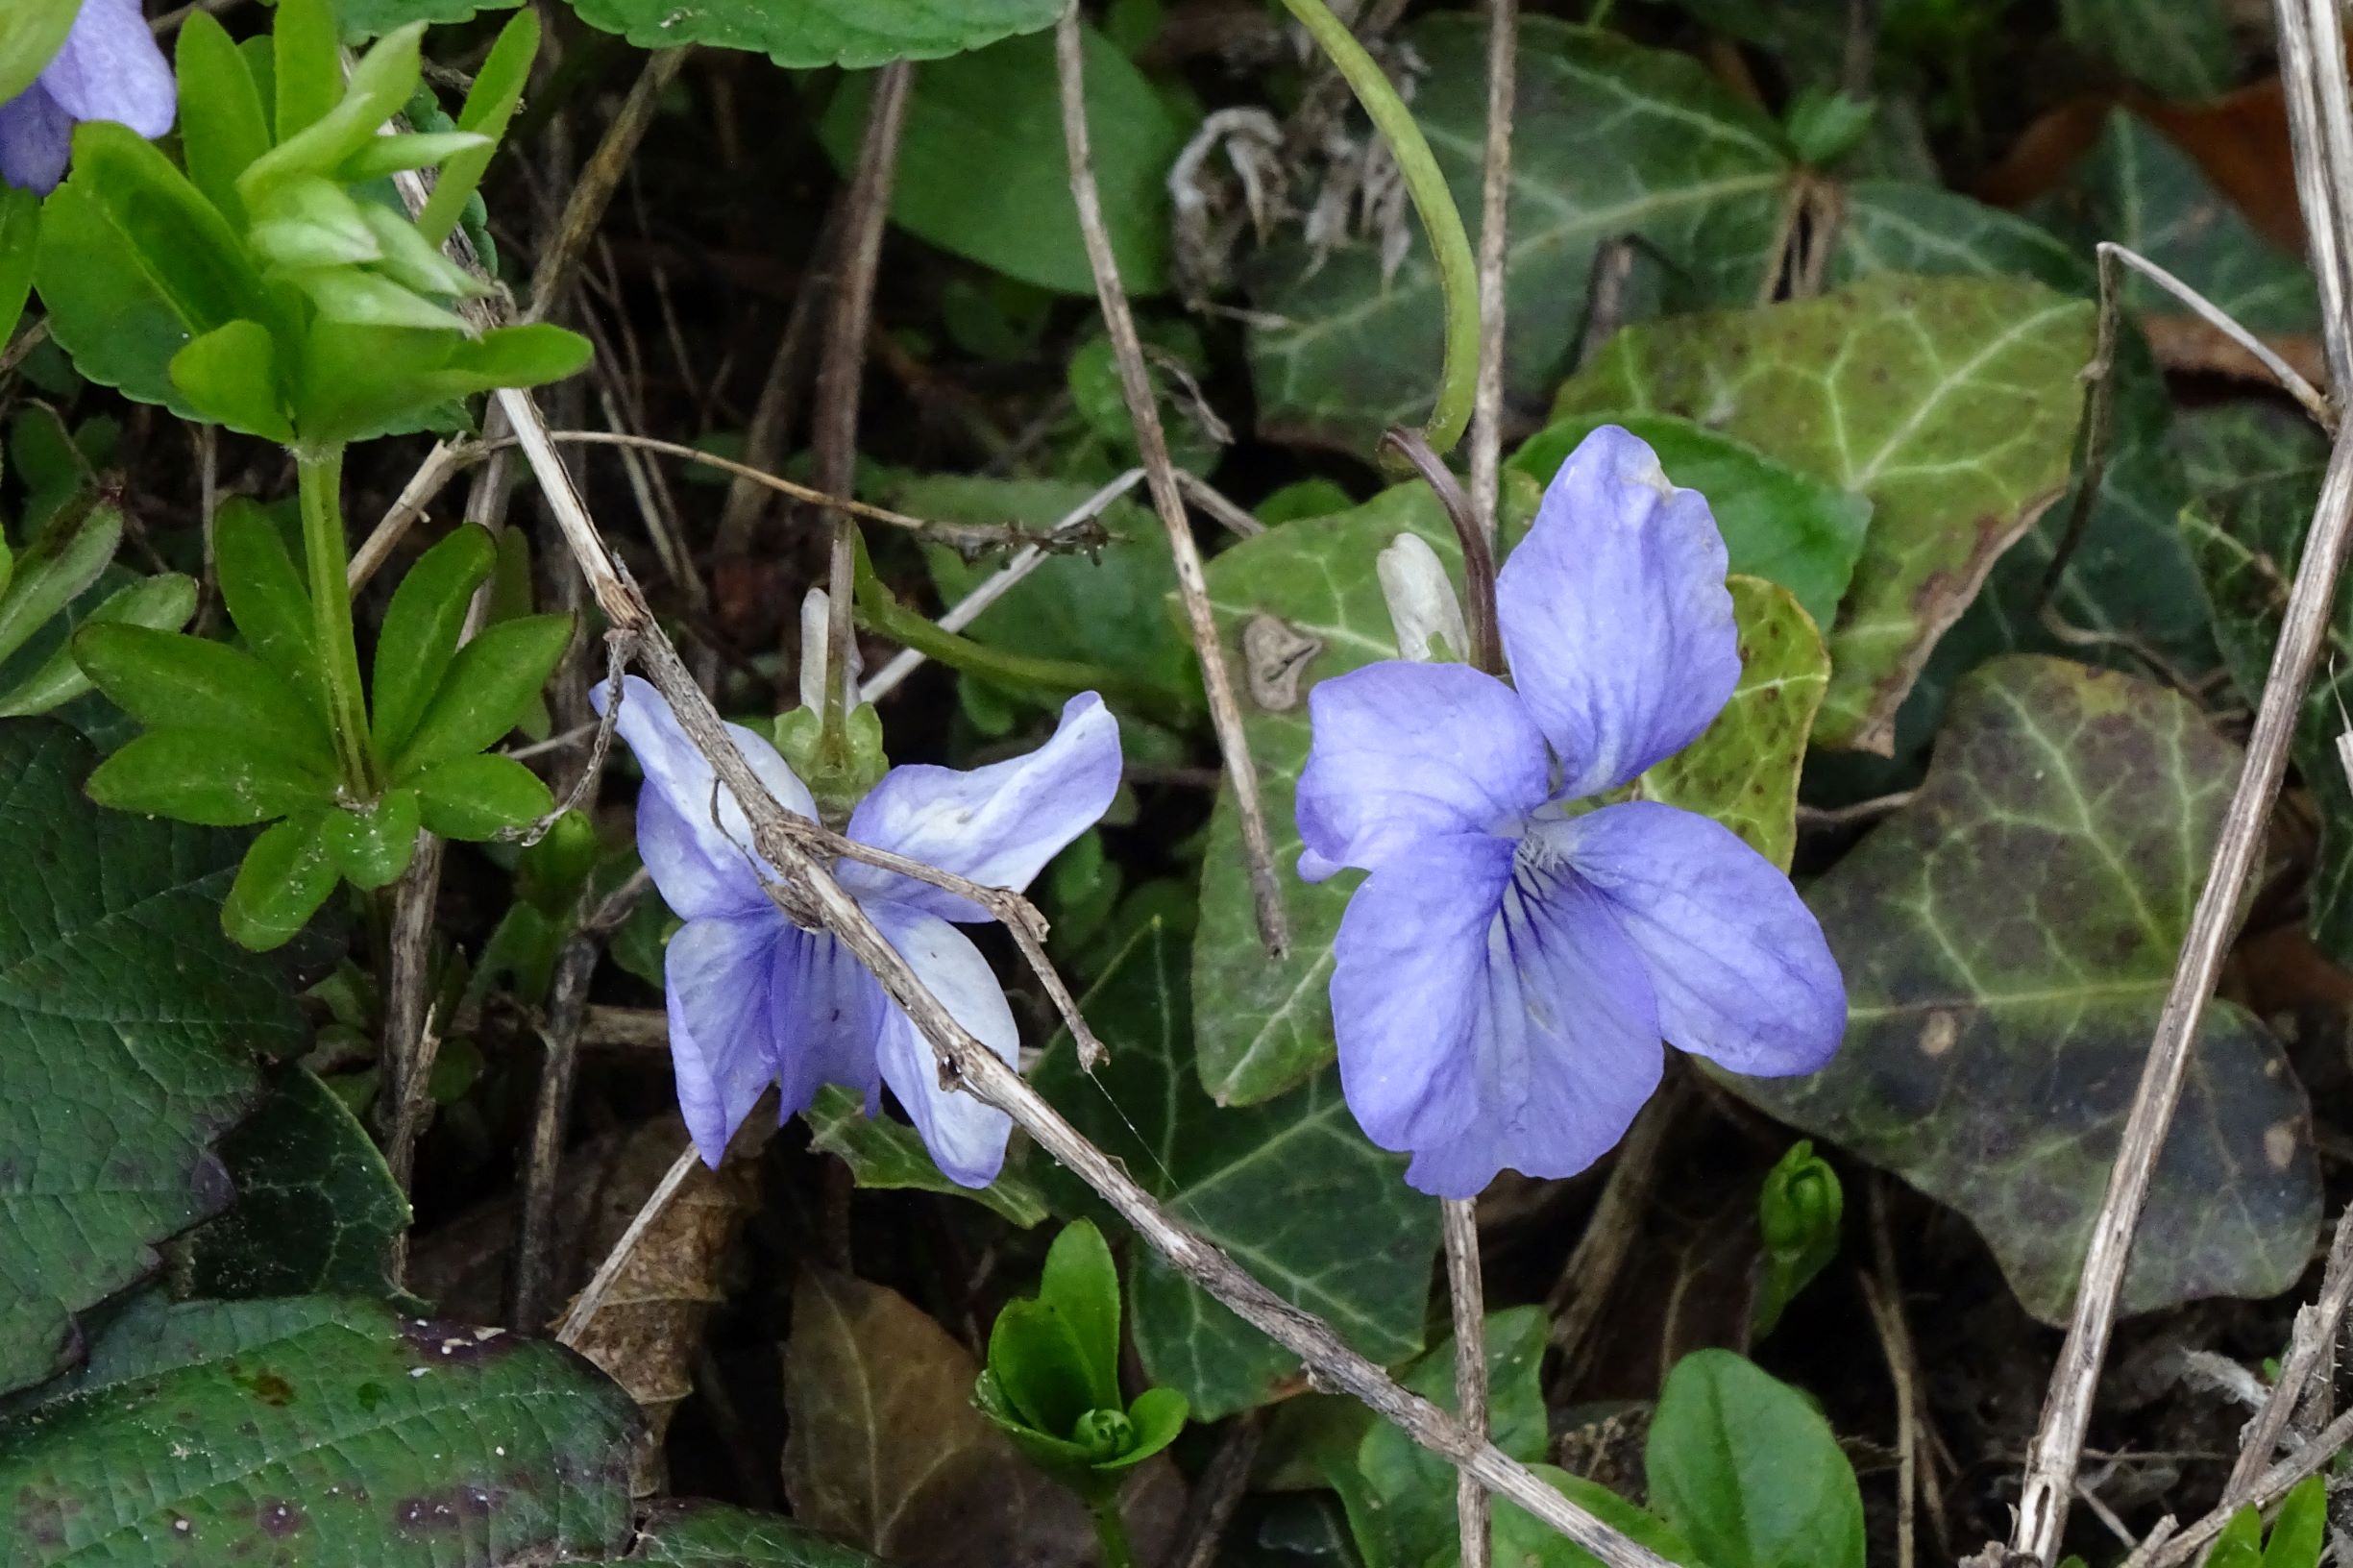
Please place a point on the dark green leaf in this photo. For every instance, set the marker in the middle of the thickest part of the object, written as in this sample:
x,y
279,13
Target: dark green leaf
x,y
1611,140
122,1003
813,32
195,775
1038,1368
1898,226
882,1153
317,1208
371,18
982,171
334,1433
20,236
229,377
223,123
484,690
119,328
1748,1471
1952,402
371,844
716,1536
1291,1186
1778,523
264,592
163,601
180,242
167,680
2007,942
43,580
479,796
2180,47
420,632
287,875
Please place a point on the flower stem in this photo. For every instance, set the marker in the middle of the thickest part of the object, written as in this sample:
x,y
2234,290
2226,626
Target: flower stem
x,y
1486,650
1441,219
1110,1531
320,477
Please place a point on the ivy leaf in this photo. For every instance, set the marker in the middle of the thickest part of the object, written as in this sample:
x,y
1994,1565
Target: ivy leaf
x,y
322,1429
1293,1187
317,1208
982,171
1613,140
716,1535
1743,769
882,1153
2007,942
1746,1467
1900,226
123,1001
2179,47
1951,402
813,32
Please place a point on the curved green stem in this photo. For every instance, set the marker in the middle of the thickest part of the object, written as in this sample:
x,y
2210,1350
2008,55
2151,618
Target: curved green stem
x,y
884,615
327,556
1441,219
1110,1531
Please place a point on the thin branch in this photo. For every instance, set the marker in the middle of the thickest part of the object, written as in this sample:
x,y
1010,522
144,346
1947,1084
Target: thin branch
x,y
592,190
592,1295
2315,402
996,586
2276,1482
1468,1293
2309,1345
1221,507
1151,441
441,465
1218,1493
772,415
1494,209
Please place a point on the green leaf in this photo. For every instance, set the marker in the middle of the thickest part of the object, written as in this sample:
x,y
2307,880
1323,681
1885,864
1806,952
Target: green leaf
x,y
180,242
489,108
334,1433
31,33
982,171
1246,1179
2301,1528
2010,1012
380,87
2181,48
167,680
2241,1543
1778,523
223,123
882,1153
287,875
1156,1419
421,629
317,1208
45,578
1899,225
194,776
2139,190
1108,607
352,298
1520,1537
1082,1285
307,66
163,603
1036,1365
716,1536
1611,140
264,592
229,377
1952,402
1743,769
104,310
1748,1471
371,844
122,1003
816,33
310,221
484,690
371,18
20,236
479,796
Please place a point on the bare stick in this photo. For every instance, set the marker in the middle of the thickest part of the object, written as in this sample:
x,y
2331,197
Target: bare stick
x,y
1886,1313
966,610
2308,1346
440,466
1468,1294
2312,55
1144,411
1209,1509
2214,315
841,369
1494,208
1214,501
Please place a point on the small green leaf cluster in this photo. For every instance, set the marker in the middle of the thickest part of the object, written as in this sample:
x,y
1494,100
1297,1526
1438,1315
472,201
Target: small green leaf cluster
x,y
1797,1214
314,312
235,738
2298,1535
1052,1381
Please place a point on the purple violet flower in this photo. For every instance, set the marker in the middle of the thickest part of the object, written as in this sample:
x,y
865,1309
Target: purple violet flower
x,y
1505,975
110,69
754,999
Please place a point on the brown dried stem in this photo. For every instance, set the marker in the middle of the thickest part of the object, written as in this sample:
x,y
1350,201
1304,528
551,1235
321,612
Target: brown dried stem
x,y
1467,1294
1494,208
1159,473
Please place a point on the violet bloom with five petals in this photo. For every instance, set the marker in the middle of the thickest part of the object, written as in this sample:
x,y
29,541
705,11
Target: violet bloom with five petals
x,y
110,69
754,999
1505,975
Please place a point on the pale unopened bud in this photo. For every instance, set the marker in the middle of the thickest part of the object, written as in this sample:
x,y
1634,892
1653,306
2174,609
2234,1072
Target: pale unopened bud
x,y
816,615
1422,602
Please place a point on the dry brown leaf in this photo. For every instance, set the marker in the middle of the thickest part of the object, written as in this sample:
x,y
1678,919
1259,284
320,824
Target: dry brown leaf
x,y
886,1451
2186,343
